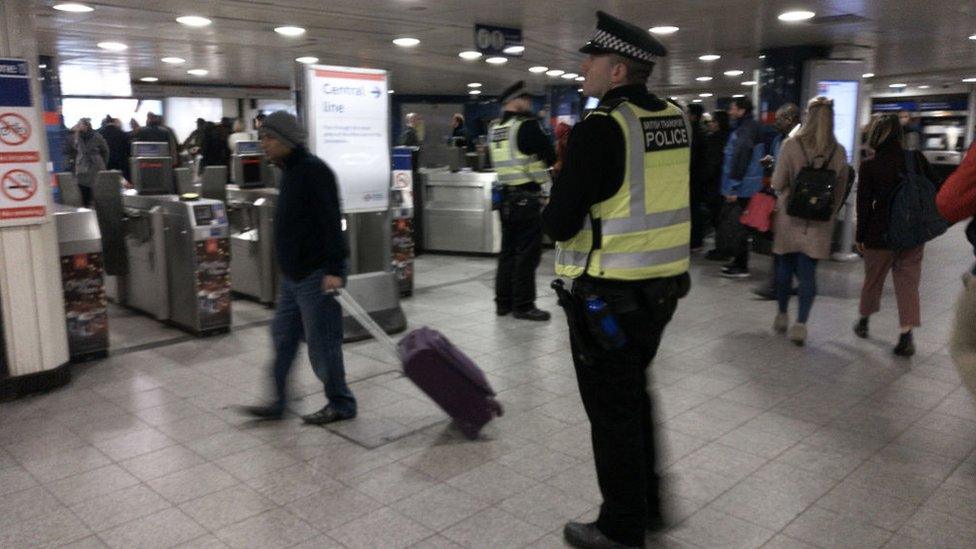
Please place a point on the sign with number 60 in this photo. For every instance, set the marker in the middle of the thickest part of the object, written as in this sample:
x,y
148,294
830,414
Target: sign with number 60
x,y
492,40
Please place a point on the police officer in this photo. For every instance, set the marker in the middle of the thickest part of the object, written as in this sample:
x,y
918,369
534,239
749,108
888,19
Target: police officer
x,y
620,215
521,155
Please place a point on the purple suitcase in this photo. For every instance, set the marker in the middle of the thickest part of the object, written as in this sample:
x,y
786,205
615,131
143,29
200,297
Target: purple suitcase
x,y
439,369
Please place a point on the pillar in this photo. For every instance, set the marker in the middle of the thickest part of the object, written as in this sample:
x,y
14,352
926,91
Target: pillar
x,y
781,77
35,345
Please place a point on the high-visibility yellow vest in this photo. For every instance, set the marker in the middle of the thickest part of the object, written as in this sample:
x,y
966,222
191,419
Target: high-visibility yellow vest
x,y
645,229
512,165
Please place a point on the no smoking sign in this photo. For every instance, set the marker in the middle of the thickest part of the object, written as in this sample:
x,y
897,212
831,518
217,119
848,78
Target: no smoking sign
x,y
18,185
14,129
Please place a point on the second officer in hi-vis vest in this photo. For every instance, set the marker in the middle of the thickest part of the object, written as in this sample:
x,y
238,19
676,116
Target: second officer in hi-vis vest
x,y
620,215
521,155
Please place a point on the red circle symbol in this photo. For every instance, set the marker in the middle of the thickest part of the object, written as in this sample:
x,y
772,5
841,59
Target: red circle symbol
x,y
18,185
14,129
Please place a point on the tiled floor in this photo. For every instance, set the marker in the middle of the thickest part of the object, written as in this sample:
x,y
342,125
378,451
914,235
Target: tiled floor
x,y
838,444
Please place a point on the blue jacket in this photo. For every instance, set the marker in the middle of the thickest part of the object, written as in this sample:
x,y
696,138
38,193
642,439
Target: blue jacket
x,y
742,173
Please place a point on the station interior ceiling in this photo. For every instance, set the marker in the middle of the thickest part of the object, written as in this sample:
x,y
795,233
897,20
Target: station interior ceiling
x,y
920,42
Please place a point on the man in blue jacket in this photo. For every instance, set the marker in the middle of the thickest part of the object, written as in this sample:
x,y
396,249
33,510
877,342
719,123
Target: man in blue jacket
x,y
311,252
742,174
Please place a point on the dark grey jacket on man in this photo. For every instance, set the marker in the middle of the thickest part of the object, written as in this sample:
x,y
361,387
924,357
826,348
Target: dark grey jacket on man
x,y
91,155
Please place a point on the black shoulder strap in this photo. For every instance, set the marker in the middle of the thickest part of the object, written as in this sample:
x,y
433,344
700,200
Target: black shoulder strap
x,y
612,104
830,157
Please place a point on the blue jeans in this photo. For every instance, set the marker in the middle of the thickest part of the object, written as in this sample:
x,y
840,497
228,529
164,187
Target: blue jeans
x,y
303,310
805,269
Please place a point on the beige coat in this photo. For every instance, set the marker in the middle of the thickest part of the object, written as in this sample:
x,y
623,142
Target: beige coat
x,y
794,235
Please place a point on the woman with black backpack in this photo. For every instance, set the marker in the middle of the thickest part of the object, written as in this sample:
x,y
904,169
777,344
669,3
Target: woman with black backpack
x,y
811,180
880,177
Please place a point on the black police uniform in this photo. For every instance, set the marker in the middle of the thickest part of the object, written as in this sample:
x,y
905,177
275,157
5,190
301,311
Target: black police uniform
x,y
613,383
522,224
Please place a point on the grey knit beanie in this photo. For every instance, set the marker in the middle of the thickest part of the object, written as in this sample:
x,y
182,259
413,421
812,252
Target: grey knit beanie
x,y
285,127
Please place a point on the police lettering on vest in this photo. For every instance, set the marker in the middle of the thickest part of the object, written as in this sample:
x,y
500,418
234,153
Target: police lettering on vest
x,y
661,134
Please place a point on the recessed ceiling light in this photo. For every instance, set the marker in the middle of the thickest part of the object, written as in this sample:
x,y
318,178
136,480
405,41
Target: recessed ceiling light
x,y
555,72
738,95
733,73
474,84
664,29
470,55
113,46
673,98
514,50
749,83
796,15
389,91
762,56
579,90
42,66
704,78
474,92
924,87
710,57
580,79
898,85
198,72
569,75
289,30
973,37
173,60
537,69
193,21
307,59
73,7
868,75
406,42
496,60
969,79
706,94
149,79
696,100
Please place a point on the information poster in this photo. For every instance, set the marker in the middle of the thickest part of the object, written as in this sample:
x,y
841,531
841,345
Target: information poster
x,y
23,179
85,304
348,118
844,94
213,282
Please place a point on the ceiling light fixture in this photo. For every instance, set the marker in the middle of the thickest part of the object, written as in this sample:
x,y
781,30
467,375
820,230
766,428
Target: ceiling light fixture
x,y
710,57
73,7
664,29
973,37
474,92
193,21
580,79
470,55
733,73
868,75
898,85
149,79
307,59
555,72
198,72
173,60
474,84
113,46
924,87
289,30
969,80
569,75
514,50
406,42
749,83
390,92
796,16
738,95
537,69
706,94
704,79
762,56
496,60
696,100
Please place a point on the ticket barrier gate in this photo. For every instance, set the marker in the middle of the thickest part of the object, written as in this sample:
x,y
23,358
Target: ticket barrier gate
x,y
82,277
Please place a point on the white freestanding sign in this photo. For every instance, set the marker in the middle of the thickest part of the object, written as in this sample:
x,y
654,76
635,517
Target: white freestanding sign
x,y
24,193
348,121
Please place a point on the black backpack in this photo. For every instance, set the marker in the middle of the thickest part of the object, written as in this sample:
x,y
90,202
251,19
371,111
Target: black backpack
x,y
914,218
812,194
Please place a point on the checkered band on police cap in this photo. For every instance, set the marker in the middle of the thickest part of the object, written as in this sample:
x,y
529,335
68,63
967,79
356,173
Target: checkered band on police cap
x,y
606,41
613,35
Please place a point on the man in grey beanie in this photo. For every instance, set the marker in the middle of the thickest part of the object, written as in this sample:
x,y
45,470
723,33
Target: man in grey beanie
x,y
311,252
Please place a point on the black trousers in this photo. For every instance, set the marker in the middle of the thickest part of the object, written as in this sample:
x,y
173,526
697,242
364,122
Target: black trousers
x,y
613,387
697,217
87,196
520,255
742,257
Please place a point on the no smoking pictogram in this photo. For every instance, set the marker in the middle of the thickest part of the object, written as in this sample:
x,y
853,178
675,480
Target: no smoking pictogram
x,y
18,185
14,129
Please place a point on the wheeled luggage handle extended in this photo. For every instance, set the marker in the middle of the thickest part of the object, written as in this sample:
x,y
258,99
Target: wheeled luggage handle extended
x,y
356,311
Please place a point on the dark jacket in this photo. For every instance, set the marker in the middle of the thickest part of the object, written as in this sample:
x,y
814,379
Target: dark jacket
x,y
699,168
531,139
118,148
308,221
156,133
213,147
409,137
714,155
879,176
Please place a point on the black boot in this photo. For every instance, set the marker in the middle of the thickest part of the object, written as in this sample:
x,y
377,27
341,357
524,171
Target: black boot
x,y
533,314
588,536
906,345
861,328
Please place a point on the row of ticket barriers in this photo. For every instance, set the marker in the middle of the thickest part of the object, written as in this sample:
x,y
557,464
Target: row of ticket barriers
x,y
177,250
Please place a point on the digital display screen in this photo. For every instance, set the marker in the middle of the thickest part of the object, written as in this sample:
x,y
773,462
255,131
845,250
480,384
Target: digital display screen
x,y
248,147
203,214
844,94
149,148
250,171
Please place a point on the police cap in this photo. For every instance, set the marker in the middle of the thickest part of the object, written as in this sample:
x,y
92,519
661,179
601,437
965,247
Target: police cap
x,y
514,91
613,35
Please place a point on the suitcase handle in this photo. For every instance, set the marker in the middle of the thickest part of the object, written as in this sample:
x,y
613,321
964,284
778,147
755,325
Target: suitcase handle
x,y
356,311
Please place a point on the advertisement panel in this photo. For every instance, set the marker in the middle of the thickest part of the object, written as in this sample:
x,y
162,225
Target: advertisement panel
x,y
85,303
348,124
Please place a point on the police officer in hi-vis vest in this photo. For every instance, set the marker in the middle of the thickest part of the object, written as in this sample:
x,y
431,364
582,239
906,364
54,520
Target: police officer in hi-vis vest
x,y
621,218
521,155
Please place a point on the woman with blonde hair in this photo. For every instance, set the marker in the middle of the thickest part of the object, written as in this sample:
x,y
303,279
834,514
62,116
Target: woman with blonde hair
x,y
800,243
880,175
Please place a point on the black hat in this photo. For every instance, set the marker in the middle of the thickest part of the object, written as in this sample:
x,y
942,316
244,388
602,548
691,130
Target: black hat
x,y
614,35
514,91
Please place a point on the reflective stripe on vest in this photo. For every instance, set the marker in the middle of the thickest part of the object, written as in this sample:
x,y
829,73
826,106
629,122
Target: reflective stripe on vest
x,y
645,227
512,165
